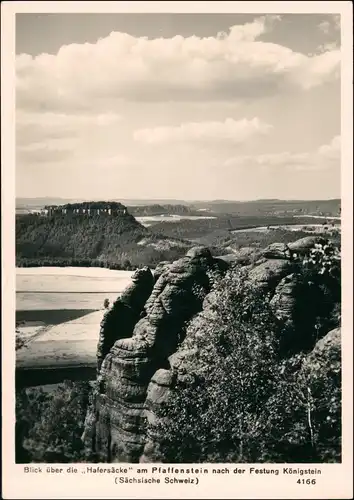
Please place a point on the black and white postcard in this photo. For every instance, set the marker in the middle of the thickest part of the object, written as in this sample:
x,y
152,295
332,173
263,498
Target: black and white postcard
x,y
177,249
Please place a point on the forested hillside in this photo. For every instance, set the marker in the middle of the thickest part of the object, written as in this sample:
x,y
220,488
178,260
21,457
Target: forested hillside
x,y
118,242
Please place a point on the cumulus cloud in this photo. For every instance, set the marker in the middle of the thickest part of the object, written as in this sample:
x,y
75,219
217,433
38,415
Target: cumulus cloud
x,y
325,157
207,132
332,150
120,66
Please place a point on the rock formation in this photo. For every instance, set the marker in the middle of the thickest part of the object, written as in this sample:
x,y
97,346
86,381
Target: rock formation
x,y
327,348
139,354
119,321
137,335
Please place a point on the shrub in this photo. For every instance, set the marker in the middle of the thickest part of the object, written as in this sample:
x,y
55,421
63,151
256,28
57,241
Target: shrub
x,y
49,425
217,414
19,341
236,399
306,409
321,271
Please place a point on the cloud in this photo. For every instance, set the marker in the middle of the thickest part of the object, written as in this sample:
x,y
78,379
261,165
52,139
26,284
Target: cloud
x,y
231,65
54,138
333,23
325,157
330,46
332,150
50,151
325,26
331,28
210,132
39,126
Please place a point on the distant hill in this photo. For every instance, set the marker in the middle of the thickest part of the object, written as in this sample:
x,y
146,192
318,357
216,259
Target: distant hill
x,y
118,241
273,207
249,208
42,201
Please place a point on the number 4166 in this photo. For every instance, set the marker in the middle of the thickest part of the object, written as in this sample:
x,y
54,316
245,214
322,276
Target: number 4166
x,y
306,481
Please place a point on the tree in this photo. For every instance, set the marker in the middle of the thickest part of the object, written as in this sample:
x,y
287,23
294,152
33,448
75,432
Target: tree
x,y
236,399
49,425
216,413
306,416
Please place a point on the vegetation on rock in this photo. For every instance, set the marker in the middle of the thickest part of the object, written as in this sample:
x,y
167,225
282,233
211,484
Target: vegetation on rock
x,y
238,397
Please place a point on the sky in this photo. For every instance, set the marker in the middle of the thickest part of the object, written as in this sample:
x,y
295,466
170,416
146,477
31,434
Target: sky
x,y
184,106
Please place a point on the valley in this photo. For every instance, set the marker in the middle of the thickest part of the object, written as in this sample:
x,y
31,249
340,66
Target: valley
x,y
88,288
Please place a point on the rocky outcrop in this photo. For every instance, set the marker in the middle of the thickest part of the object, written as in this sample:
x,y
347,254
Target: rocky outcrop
x,y
139,352
243,256
328,348
284,299
136,340
157,393
304,245
118,322
277,251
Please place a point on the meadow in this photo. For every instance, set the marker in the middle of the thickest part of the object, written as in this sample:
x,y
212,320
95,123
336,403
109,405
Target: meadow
x,y
67,288
58,313
149,220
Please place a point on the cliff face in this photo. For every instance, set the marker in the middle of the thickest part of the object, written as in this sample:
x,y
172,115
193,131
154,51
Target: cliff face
x,y
138,352
88,234
73,235
119,321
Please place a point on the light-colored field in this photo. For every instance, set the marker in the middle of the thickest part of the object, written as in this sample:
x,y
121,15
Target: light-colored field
x,y
154,219
328,217
68,344
95,272
33,301
46,288
70,279
308,228
28,330
45,296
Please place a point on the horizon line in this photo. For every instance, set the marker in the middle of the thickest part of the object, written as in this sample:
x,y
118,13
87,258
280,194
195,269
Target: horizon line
x,y
179,199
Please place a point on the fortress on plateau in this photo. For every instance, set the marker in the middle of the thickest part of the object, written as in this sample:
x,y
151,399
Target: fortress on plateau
x,y
86,208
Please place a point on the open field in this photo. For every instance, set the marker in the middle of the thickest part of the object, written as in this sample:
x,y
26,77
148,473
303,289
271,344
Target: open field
x,y
307,228
60,352
48,301
51,288
70,279
58,313
67,344
149,220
